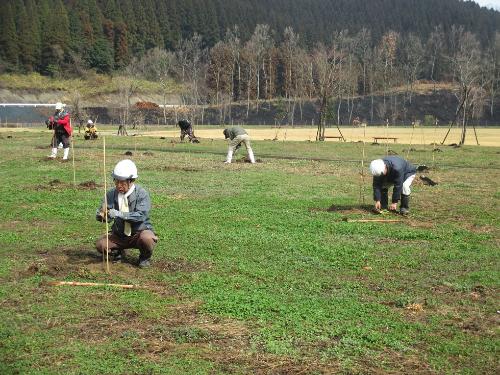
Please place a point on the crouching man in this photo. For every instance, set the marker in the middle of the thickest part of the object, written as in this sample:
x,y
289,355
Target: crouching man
x,y
237,135
392,170
128,206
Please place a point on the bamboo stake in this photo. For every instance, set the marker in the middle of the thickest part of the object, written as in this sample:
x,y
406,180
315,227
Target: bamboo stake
x,y
106,258
78,283
386,137
361,188
73,160
411,140
371,220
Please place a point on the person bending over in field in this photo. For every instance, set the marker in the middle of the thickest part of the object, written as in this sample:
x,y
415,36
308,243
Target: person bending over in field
x,y
61,125
128,207
392,170
90,130
237,135
187,129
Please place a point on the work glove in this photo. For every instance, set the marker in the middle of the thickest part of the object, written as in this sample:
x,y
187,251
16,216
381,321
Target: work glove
x,y
113,214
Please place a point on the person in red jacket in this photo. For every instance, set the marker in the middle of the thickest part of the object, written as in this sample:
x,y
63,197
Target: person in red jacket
x,y
61,125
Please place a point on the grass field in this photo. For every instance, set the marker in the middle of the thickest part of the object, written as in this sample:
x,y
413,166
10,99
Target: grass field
x,y
255,270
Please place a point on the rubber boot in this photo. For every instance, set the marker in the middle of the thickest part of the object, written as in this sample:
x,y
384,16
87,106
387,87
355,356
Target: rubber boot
x,y
384,199
405,205
54,153
250,156
229,157
66,153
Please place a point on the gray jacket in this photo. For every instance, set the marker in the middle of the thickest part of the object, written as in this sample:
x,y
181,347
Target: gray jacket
x,y
398,170
233,132
139,205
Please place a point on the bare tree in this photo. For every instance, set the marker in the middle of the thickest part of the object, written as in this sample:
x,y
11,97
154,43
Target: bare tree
x,y
190,64
233,41
156,65
78,113
219,74
258,48
411,57
362,52
434,48
327,64
492,71
466,62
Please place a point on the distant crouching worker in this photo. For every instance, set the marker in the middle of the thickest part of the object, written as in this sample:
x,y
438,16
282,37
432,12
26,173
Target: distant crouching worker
x,y
392,170
237,135
128,206
90,130
187,129
61,125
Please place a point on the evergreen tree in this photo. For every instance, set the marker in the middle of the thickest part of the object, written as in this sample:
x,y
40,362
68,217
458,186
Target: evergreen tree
x,y
101,57
34,30
9,50
26,37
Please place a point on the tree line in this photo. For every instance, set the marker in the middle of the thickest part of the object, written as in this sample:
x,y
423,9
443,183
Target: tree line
x,y
56,37
68,36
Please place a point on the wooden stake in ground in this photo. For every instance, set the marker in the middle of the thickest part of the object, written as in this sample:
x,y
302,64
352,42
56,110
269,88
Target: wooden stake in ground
x,y
73,160
78,283
361,188
386,137
411,139
371,220
105,258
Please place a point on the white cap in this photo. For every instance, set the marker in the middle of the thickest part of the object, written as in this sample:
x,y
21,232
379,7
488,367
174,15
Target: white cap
x,y
124,170
90,122
377,167
59,106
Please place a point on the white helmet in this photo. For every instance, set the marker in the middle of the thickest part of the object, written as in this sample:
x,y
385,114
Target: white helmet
x,y
90,122
377,167
59,106
125,170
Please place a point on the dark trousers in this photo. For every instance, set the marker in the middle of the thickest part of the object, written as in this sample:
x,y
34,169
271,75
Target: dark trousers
x,y
145,241
60,138
189,132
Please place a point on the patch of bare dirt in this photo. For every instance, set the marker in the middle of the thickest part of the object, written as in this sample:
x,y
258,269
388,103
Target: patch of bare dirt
x,y
89,185
247,160
172,168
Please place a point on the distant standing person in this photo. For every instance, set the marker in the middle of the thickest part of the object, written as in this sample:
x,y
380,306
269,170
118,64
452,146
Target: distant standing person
x,y
187,129
392,170
61,125
128,206
236,136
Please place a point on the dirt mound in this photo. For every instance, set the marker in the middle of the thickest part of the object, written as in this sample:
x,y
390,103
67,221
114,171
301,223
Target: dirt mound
x,y
176,168
247,160
90,185
55,182
128,153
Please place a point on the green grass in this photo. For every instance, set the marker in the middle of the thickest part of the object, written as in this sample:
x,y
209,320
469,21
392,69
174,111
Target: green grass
x,y
91,85
252,272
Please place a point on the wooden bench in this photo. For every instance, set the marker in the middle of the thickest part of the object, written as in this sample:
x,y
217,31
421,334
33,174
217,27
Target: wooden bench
x,y
335,137
375,139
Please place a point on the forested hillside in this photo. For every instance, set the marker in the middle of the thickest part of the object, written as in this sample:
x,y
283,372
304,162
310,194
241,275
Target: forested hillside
x,y
53,35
